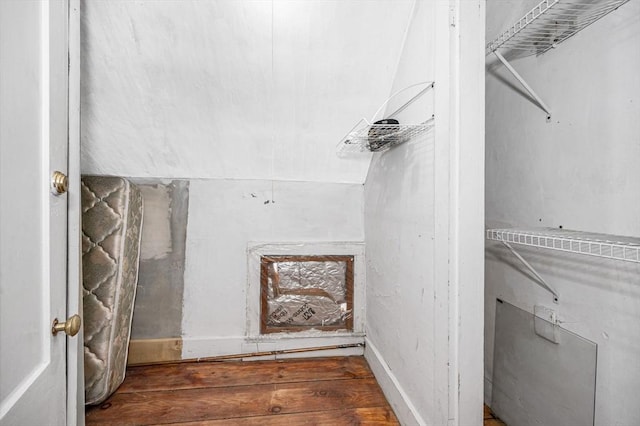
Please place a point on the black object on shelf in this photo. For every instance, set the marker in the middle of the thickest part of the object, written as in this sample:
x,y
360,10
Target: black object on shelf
x,y
382,133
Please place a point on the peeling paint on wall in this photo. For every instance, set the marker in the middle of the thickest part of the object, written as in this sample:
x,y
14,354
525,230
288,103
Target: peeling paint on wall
x,y
156,234
158,308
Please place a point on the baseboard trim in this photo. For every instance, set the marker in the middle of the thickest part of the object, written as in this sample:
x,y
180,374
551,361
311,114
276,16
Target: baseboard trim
x,y
203,347
150,351
393,391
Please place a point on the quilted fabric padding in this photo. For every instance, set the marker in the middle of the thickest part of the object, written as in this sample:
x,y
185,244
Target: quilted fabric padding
x,y
111,231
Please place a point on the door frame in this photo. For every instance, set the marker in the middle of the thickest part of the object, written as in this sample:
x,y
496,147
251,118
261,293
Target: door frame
x,y
75,347
459,210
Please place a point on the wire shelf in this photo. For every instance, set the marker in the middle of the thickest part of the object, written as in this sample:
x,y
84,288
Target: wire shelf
x,y
550,23
600,245
367,137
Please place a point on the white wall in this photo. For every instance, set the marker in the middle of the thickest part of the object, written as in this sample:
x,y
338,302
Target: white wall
x,y
423,227
224,216
211,91
205,91
579,171
233,89
399,229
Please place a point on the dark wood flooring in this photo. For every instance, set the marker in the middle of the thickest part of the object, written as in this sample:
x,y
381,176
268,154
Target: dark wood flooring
x,y
315,391
490,419
318,391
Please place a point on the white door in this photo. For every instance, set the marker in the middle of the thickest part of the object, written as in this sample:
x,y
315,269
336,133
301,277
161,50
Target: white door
x,y
33,220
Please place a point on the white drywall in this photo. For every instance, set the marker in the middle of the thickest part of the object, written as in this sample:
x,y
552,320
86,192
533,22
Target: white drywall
x,y
224,216
233,89
579,171
423,227
399,229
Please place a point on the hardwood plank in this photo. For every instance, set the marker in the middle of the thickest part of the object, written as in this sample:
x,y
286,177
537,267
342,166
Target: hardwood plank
x,y
354,416
487,412
493,422
143,408
236,373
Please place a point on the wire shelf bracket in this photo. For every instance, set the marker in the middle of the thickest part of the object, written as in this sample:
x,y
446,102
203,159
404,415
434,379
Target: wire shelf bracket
x,y
540,281
524,84
612,247
369,136
544,27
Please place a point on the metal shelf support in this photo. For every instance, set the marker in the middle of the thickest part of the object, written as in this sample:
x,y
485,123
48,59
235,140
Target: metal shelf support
x,y
545,26
613,247
541,281
524,84
606,246
370,136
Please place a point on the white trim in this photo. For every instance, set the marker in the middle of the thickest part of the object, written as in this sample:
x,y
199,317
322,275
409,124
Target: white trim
x,y
468,221
202,347
75,347
30,380
459,212
445,389
49,308
403,408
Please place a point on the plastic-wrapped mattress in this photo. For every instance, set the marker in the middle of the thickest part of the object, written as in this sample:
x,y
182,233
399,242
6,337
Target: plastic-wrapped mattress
x,y
111,231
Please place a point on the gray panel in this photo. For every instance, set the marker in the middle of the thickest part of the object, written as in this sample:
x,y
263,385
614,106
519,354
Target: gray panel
x,y
158,308
539,382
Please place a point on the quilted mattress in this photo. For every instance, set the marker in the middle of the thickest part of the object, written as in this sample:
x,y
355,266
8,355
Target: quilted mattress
x,y
111,231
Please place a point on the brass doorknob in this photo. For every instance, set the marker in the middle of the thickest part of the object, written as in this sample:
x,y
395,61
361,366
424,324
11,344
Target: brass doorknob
x,y
59,183
70,327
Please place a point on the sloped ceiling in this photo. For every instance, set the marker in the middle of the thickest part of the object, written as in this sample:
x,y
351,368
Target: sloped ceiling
x,y
233,88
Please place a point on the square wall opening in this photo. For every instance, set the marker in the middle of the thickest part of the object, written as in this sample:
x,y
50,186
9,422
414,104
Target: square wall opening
x,y
301,293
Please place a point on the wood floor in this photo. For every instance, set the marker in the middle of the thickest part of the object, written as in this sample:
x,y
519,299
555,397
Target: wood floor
x,y
320,391
490,419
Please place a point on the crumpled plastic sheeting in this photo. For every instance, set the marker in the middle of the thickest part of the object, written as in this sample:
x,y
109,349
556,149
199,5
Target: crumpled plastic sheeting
x,y
309,311
326,277
307,294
